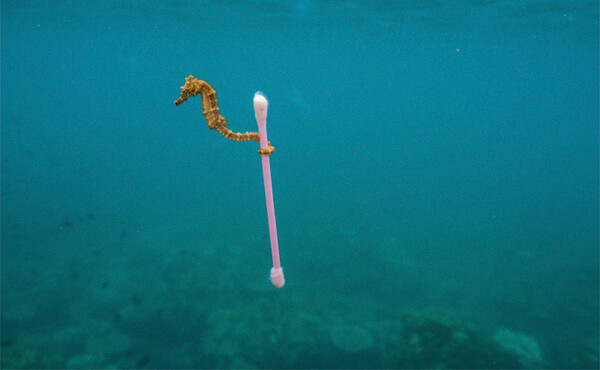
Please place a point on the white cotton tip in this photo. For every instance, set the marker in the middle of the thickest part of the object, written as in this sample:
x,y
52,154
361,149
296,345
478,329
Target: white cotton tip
x,y
260,107
277,277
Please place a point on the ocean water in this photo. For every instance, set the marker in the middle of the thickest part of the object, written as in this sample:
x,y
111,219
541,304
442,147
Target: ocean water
x,y
435,183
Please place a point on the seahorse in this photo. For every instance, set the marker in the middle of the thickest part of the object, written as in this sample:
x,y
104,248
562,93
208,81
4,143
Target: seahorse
x,y
210,109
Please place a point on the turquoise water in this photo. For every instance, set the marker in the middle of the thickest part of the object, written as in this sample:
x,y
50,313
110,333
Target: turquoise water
x,y
435,181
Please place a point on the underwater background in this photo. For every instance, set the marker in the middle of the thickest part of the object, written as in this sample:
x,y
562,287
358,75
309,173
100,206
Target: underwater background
x,y
435,182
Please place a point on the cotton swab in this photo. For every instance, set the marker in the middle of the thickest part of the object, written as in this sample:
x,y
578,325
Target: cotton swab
x,y
260,110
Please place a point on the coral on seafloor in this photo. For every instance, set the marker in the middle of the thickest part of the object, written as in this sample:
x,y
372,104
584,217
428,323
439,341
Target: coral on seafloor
x,y
251,338
426,340
525,348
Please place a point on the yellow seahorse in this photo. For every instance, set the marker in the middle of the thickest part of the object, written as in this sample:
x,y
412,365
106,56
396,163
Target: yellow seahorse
x,y
210,109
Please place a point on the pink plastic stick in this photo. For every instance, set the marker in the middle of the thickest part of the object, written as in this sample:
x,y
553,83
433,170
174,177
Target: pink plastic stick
x,y
260,110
